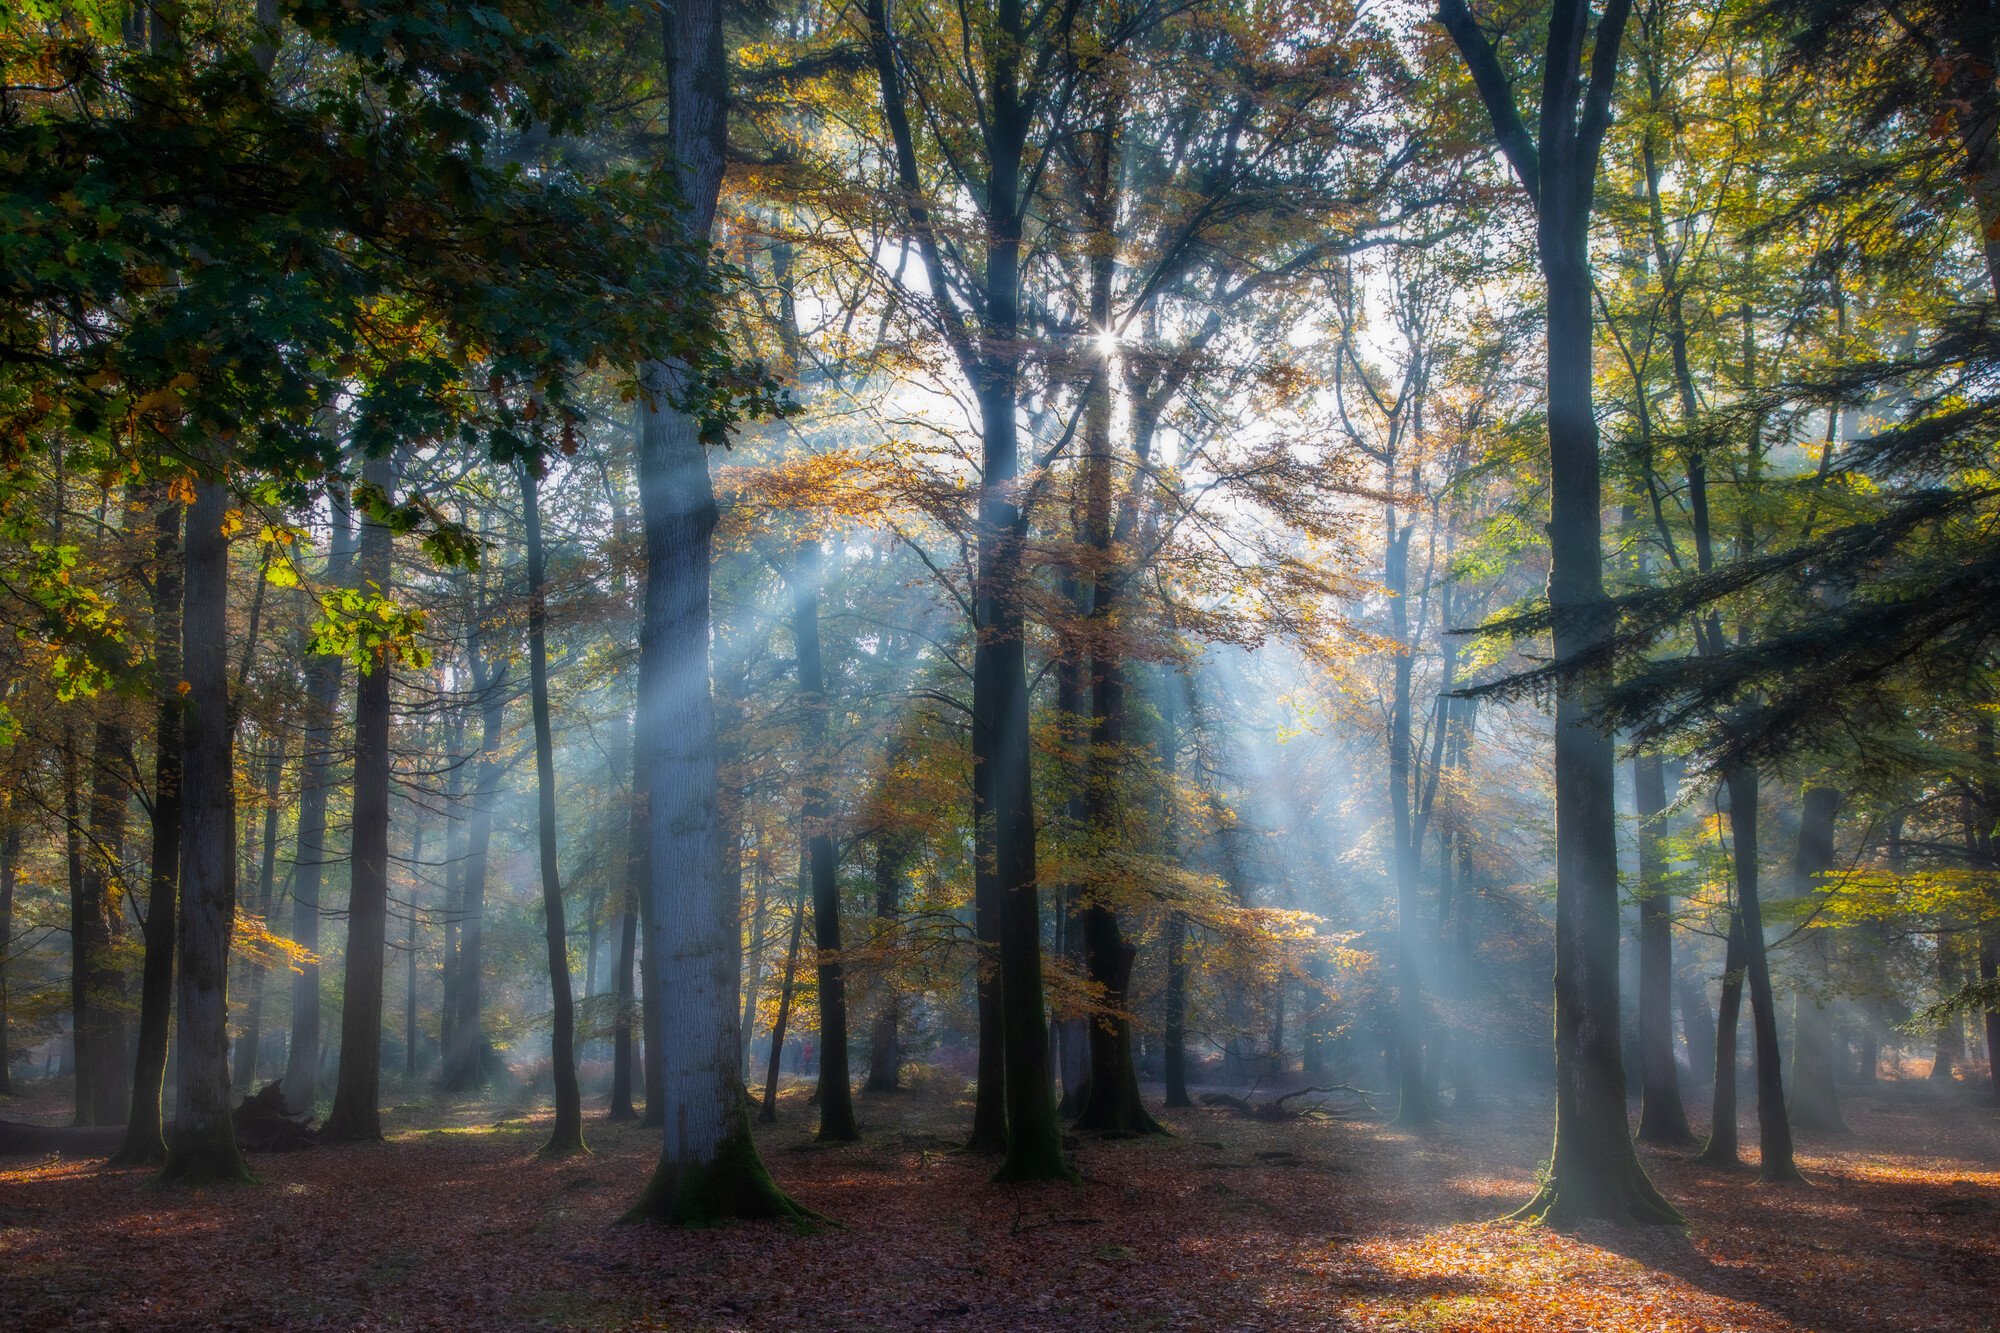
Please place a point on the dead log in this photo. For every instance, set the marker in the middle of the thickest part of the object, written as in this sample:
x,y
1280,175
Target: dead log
x,y
264,1123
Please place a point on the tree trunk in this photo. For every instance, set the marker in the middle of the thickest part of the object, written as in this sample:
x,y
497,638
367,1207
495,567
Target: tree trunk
x,y
98,983
465,1059
885,1051
1815,1104
836,1098
1174,1027
410,955
1594,1169
323,678
1697,1024
1662,1117
709,1168
753,979
567,1135
203,1144
1949,1040
628,949
10,861
1722,1146
356,1115
267,869
767,1113
1413,1102
1774,1128
145,1129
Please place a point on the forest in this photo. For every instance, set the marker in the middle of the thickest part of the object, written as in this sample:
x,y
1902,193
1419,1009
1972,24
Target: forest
x,y
1000,664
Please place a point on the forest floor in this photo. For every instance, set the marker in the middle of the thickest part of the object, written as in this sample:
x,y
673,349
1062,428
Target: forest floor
x,y
1233,1223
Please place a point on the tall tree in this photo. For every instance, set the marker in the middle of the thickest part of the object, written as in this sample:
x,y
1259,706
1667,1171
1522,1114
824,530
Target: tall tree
x,y
202,1145
145,1130
1594,1170
567,1134
836,1095
323,674
708,1167
1015,90
357,1114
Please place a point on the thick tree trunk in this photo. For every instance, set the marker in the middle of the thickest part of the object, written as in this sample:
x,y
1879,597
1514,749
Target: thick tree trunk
x,y
145,1129
203,1144
1662,1117
323,679
836,1097
709,1168
1815,1103
1594,1169
356,1115
567,1134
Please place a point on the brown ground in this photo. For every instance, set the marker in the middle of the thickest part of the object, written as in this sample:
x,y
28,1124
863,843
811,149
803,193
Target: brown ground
x,y
1233,1224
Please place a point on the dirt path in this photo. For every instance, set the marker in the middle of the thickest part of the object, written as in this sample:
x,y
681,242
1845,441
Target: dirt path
x,y
1231,1225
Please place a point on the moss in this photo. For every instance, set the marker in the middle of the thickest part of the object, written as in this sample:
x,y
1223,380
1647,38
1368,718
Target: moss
x,y
563,1145
206,1158
1033,1158
731,1186
1626,1198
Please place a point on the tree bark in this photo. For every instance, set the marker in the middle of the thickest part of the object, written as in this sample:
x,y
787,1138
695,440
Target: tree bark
x,y
465,1059
567,1134
622,1052
1815,1102
323,679
885,1051
1774,1129
97,982
1722,1146
708,1168
145,1129
253,1018
1174,1028
1594,1169
202,1147
836,1098
10,861
356,1115
1662,1117
767,1113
